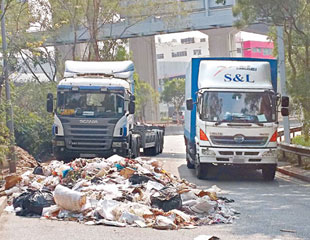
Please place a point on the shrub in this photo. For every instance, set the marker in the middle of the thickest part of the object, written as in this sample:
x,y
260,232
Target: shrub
x,y
300,140
32,122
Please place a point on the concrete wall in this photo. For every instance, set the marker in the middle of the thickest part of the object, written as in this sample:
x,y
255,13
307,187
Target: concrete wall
x,y
144,57
221,42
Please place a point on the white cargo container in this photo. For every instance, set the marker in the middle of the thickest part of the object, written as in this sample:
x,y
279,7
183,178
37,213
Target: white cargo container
x,y
232,114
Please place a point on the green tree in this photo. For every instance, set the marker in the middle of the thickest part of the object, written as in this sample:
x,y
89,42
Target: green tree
x,y
33,123
294,16
4,135
174,92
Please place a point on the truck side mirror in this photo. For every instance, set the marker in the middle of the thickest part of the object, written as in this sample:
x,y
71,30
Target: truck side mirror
x,y
285,112
189,104
285,102
132,107
50,103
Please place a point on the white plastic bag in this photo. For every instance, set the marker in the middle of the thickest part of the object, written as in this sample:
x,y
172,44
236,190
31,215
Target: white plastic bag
x,y
69,199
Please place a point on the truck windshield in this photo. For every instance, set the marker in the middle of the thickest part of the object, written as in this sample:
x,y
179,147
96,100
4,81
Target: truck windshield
x,y
251,107
90,104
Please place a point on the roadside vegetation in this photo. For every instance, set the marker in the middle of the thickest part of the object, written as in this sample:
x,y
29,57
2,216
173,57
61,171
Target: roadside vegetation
x,y
300,140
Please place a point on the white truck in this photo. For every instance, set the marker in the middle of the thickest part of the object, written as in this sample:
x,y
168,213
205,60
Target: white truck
x,y
94,113
232,114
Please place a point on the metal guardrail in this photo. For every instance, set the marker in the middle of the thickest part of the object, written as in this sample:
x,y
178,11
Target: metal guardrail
x,y
300,151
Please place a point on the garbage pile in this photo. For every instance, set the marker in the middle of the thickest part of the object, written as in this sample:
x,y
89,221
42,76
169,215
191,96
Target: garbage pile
x,y
115,191
24,161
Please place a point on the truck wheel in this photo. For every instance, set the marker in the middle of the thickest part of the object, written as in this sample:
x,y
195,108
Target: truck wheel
x,y
158,145
269,172
135,148
161,143
188,163
150,151
201,170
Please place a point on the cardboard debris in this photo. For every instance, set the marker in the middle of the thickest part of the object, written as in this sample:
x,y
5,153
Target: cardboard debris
x,y
123,192
11,181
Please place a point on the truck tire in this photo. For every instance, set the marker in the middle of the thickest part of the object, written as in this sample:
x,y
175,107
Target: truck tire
x,y
158,145
201,169
269,172
161,143
153,150
135,146
188,163
150,151
62,156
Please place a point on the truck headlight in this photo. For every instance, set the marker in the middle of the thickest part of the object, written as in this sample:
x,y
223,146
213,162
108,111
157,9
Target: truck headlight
x,y
206,151
117,144
270,153
59,143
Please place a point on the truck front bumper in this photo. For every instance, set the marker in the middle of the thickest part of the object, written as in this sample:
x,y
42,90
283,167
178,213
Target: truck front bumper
x,y
238,155
61,151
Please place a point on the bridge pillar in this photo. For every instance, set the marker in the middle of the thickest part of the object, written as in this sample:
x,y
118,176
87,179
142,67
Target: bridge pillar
x,y
222,42
144,57
65,52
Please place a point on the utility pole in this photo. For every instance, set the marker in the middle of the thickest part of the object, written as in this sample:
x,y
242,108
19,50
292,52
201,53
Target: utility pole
x,y
281,53
9,109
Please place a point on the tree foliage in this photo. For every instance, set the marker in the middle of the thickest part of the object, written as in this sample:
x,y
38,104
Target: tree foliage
x,y
174,92
294,16
33,123
4,135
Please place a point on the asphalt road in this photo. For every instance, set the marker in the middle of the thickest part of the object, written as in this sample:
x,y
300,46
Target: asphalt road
x,y
267,208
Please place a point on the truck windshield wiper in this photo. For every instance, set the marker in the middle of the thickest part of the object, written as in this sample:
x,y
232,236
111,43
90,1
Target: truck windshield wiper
x,y
219,122
259,124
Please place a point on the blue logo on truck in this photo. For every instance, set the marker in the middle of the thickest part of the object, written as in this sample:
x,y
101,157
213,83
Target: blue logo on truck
x,y
238,78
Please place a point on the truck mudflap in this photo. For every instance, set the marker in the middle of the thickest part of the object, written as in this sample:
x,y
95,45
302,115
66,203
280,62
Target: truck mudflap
x,y
238,156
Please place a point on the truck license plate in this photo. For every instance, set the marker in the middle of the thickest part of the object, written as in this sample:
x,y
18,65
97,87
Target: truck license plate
x,y
87,155
238,159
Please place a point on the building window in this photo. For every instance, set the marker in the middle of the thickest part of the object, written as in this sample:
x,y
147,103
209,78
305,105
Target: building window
x,y
267,51
239,50
160,56
202,40
187,40
197,52
179,54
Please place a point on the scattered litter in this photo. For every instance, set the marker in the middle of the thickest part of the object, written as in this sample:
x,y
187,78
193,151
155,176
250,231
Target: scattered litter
x,y
287,230
116,192
205,237
11,181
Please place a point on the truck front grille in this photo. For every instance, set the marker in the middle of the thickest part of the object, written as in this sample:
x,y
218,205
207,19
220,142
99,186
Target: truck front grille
x,y
230,141
89,137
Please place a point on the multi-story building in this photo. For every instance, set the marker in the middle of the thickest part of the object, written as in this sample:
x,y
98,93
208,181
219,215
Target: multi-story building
x,y
257,49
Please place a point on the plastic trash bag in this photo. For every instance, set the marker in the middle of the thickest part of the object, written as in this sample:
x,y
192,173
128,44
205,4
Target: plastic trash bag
x,y
69,199
138,179
166,199
38,171
33,202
